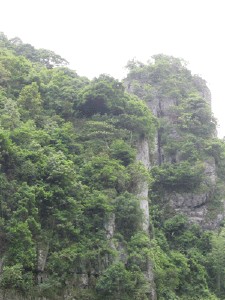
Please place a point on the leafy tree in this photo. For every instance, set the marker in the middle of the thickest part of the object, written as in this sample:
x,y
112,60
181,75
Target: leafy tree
x,y
115,283
104,95
13,277
216,263
59,88
196,117
102,172
122,151
17,73
179,176
30,101
21,248
128,215
10,116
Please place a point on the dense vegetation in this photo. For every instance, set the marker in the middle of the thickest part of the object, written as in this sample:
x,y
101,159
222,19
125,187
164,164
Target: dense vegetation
x,y
68,169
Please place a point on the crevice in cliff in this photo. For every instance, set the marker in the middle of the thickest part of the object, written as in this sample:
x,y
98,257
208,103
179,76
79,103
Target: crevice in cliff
x,y
199,205
159,147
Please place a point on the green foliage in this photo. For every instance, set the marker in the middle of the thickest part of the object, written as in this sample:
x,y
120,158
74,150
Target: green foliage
x,y
166,273
138,118
115,283
10,116
102,172
216,262
162,76
194,115
21,248
181,176
118,283
104,95
138,174
216,149
29,101
122,151
181,266
13,277
59,89
128,214
17,74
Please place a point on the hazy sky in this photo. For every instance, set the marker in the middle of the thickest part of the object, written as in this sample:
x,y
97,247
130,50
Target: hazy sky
x,y
100,36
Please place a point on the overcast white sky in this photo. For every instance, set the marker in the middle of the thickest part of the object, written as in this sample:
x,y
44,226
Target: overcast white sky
x,y
100,36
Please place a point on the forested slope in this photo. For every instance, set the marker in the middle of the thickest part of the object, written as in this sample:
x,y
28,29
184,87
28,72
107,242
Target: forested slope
x,y
76,158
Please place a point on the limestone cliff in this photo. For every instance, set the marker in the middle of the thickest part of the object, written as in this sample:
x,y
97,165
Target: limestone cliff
x,y
182,104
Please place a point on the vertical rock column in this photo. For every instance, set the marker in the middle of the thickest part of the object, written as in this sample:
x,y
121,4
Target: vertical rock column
x,y
143,156
42,251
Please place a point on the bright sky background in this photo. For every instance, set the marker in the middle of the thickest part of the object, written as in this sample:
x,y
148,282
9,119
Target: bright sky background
x,y
100,36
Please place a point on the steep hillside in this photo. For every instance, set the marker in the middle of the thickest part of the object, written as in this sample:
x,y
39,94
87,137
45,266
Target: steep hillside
x,y
107,193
